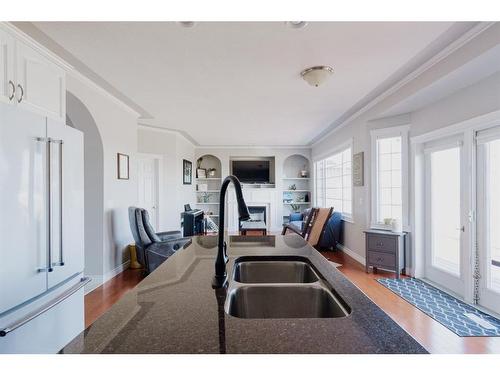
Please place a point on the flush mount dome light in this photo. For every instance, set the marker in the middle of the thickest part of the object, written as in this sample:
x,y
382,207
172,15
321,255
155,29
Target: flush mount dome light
x,y
316,75
296,24
187,24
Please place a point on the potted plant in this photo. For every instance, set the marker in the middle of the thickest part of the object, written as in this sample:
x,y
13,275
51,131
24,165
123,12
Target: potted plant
x,y
211,172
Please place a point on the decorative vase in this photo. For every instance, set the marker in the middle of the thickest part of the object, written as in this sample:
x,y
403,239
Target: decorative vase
x,y
396,225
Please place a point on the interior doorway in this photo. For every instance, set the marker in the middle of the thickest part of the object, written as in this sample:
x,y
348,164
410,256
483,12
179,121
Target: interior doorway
x,y
148,182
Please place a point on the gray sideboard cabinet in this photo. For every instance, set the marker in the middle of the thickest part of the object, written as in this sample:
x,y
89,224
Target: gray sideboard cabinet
x,y
386,250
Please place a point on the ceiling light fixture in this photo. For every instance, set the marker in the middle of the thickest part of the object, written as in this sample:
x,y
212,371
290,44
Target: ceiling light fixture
x,y
296,24
316,75
187,24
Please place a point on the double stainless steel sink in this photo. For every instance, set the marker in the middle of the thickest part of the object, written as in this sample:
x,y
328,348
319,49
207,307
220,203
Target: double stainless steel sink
x,y
281,288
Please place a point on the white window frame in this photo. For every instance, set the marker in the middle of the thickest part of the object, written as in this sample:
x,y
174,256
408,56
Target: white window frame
x,y
391,132
340,148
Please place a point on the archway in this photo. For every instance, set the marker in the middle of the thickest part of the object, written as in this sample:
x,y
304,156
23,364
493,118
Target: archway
x,y
79,117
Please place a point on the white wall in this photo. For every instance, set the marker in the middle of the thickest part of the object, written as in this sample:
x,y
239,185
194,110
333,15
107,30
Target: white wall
x,y
280,154
172,148
477,99
117,126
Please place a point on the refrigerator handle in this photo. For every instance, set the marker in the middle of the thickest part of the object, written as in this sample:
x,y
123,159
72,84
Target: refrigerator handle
x,y
57,300
48,206
61,251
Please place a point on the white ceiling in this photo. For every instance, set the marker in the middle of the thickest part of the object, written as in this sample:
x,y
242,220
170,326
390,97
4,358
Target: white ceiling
x,y
239,83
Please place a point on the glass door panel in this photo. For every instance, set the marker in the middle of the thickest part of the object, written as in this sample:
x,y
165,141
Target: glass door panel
x,y
445,197
445,210
488,225
493,202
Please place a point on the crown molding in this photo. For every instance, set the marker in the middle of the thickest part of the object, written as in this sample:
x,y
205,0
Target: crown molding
x,y
25,38
90,83
144,126
305,147
444,53
70,69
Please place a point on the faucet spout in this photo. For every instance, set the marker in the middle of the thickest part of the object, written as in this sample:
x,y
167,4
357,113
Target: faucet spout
x,y
220,277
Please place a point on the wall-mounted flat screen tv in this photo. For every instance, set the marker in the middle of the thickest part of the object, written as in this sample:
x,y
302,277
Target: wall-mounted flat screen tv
x,y
251,171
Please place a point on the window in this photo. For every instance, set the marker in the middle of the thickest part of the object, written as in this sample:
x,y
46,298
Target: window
x,y
389,175
333,182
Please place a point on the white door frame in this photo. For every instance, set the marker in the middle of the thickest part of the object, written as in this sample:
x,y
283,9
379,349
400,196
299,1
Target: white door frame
x,y
454,283
159,186
468,129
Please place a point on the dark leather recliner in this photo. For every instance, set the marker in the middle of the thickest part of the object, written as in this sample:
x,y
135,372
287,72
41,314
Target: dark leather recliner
x,y
160,236
150,252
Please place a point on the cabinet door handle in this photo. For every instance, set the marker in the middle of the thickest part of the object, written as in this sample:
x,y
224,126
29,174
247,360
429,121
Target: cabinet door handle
x,y
22,93
13,93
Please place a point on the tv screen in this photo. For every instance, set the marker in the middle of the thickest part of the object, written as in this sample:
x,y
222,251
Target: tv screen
x,y
251,171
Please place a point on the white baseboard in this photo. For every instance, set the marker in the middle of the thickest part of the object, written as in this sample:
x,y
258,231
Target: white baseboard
x,y
358,258
95,282
98,280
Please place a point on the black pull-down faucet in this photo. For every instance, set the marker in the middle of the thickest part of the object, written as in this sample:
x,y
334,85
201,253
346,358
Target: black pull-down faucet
x,y
220,276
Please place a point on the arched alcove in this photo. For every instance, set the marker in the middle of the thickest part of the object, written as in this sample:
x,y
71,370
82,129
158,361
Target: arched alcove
x,y
208,162
79,117
294,164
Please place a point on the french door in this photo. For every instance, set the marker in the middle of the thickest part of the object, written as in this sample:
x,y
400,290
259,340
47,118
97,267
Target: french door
x,y
488,218
447,250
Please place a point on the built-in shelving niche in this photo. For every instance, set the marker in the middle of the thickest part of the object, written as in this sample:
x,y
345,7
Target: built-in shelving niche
x,y
208,186
296,188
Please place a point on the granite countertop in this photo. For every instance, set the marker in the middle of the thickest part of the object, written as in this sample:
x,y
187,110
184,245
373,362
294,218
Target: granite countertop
x,y
175,310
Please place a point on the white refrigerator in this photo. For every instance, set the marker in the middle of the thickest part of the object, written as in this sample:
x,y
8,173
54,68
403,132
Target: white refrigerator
x,y
41,232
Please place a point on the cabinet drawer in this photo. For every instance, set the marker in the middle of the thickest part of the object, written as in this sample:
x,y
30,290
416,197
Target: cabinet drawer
x,y
382,259
382,243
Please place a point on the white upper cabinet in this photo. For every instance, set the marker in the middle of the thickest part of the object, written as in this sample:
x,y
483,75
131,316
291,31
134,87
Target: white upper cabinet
x,y
31,77
41,85
7,74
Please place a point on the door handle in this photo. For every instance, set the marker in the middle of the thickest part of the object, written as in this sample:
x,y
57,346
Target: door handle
x,y
13,93
60,167
48,206
22,93
57,300
461,229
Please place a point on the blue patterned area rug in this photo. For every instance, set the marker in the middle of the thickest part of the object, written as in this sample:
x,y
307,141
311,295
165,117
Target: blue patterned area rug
x,y
457,316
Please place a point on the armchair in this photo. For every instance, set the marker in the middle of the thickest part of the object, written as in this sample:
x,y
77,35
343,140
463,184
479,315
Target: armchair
x,y
300,223
158,236
151,253
314,226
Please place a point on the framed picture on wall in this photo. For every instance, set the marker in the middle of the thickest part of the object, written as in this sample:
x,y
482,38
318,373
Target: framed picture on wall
x,y
187,172
358,169
122,166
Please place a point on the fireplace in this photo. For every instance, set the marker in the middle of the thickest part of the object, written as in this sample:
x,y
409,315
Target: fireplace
x,y
257,213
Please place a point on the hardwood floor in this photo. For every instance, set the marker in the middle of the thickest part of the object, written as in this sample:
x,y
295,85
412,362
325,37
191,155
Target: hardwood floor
x,y
100,300
432,335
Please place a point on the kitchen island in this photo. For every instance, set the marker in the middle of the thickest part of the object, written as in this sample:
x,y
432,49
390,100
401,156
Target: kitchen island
x,y
176,310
